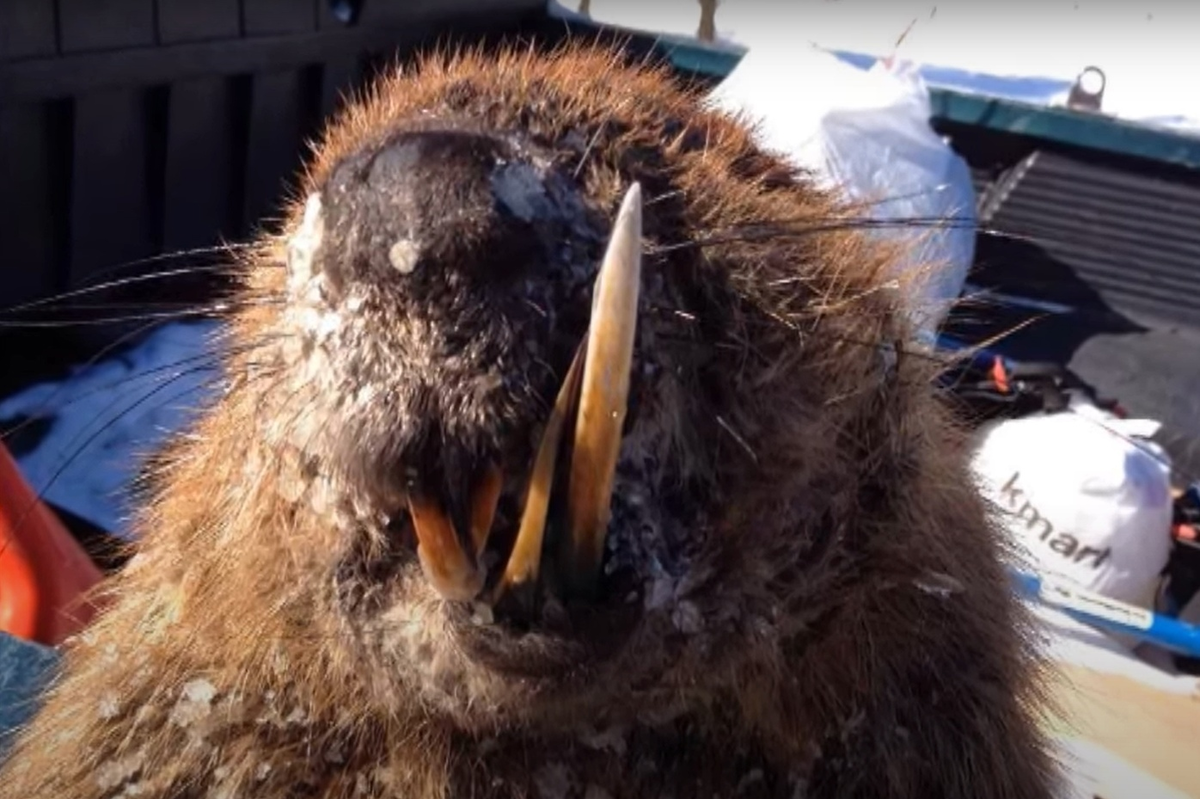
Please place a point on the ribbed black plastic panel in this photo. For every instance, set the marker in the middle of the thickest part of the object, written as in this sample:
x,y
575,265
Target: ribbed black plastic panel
x,y
1130,238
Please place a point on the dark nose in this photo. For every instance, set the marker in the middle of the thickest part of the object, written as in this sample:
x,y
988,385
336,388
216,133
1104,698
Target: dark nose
x,y
430,205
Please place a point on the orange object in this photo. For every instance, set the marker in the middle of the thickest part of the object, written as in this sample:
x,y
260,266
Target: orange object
x,y
1184,532
44,572
1000,376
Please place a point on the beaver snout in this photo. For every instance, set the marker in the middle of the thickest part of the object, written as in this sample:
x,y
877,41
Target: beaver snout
x,y
583,433
429,210
435,228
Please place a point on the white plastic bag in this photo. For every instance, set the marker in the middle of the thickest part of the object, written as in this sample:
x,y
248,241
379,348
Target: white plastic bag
x,y
867,132
1084,496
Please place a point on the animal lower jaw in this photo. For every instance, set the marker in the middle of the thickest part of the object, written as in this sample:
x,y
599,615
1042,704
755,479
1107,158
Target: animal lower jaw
x,y
560,641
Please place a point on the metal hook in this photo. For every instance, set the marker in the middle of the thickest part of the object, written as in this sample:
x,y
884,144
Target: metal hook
x,y
1087,93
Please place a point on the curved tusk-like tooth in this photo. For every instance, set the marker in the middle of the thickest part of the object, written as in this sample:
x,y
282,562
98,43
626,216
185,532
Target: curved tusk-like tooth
x,y
451,571
603,397
525,560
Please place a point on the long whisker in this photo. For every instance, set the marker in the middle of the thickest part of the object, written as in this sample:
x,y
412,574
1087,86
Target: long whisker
x,y
119,282
41,493
216,357
215,249
216,309
117,306
92,361
891,198
178,374
780,229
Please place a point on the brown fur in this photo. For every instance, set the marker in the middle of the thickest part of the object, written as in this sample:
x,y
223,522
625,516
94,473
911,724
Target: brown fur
x,y
834,615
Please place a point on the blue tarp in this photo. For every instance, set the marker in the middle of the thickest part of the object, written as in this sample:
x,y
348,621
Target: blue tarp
x,y
94,427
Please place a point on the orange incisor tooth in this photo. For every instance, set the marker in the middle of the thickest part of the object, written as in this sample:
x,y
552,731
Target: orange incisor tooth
x,y
451,571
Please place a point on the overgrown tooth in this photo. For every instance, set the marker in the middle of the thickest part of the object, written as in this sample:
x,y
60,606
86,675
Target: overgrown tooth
x,y
525,560
451,571
484,500
603,397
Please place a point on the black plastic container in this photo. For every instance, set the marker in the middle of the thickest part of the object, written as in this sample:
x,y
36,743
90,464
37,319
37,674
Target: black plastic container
x,y
134,128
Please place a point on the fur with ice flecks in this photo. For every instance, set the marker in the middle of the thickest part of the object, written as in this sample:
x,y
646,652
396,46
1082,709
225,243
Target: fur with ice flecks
x,y
790,489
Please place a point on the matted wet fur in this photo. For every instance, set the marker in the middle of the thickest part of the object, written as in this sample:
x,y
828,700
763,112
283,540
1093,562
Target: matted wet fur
x,y
806,596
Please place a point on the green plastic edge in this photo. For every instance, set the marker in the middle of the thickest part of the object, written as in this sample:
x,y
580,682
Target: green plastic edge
x,y
1074,128
1079,129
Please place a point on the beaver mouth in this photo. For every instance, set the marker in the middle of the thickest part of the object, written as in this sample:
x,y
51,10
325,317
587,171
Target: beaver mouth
x,y
550,640
565,503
